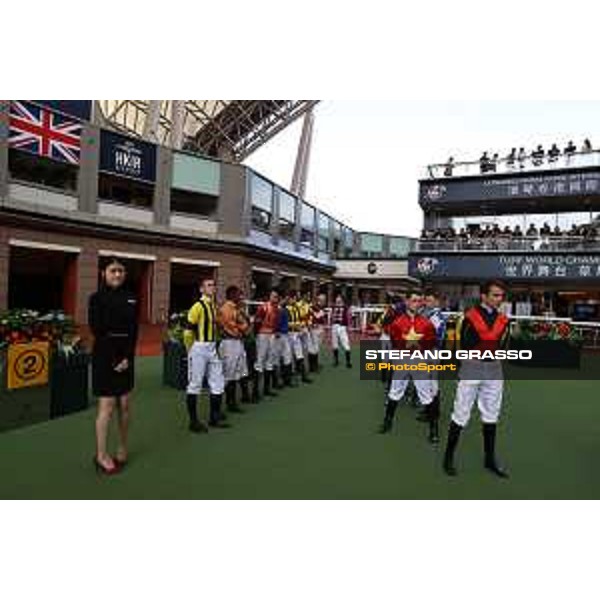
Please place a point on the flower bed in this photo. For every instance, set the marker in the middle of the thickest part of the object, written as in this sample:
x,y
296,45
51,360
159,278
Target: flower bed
x,y
546,331
67,390
554,344
22,326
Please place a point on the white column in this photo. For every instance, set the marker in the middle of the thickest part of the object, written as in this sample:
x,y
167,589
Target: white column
x,y
300,177
152,121
177,119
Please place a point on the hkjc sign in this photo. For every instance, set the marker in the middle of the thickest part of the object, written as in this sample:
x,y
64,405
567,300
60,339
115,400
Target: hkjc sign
x,y
537,267
27,365
127,157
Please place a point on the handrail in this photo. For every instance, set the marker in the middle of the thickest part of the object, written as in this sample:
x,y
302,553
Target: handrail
x,y
501,242
525,164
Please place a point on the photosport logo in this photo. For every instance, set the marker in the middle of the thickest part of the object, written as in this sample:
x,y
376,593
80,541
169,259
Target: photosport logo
x,y
512,359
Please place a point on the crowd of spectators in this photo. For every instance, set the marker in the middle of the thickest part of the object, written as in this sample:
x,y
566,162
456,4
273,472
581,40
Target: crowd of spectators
x,y
518,159
496,237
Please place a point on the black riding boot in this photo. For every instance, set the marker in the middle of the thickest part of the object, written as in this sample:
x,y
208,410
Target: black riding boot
x,y
388,383
196,426
288,380
230,400
301,368
453,437
489,446
269,375
433,413
245,391
388,420
216,416
277,383
336,358
348,359
255,387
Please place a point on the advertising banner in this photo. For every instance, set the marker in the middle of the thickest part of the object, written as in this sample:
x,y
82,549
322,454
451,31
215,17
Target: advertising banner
x,y
555,184
127,157
535,266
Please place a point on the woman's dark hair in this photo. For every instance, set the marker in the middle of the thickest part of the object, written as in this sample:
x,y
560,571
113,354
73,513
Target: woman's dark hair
x,y
111,260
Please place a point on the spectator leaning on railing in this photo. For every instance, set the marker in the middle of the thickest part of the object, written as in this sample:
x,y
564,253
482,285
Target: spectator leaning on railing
x,y
538,157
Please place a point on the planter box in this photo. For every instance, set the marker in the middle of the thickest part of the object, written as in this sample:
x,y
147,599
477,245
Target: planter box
x,y
19,408
69,384
549,354
175,365
67,392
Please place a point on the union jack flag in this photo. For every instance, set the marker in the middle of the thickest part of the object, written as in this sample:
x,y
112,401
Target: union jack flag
x,y
42,132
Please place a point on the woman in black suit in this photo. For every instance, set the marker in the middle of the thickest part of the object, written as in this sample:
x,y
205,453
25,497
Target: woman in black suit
x,y
112,316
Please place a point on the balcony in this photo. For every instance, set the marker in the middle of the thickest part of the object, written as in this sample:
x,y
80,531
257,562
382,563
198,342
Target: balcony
x,y
529,164
125,213
42,197
525,244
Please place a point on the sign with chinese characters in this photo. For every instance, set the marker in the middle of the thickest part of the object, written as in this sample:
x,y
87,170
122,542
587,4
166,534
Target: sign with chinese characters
x,y
534,266
549,185
127,157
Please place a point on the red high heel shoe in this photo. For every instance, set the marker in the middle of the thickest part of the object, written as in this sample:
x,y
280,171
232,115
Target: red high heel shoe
x,y
101,469
121,464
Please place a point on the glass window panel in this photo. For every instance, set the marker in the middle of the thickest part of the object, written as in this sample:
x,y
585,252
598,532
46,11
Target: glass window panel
x,y
371,243
324,225
348,238
324,221
337,230
261,194
195,174
308,217
287,207
399,246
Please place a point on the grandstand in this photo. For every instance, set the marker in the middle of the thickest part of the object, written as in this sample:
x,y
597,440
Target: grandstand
x,y
162,185
532,224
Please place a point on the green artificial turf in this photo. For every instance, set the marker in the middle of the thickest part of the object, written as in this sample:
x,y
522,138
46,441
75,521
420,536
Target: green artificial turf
x,y
315,442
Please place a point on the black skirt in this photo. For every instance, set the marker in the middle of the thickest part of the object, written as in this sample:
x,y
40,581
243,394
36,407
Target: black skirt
x,y
107,382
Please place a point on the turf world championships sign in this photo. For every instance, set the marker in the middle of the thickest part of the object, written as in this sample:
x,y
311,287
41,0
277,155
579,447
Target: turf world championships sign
x,y
506,266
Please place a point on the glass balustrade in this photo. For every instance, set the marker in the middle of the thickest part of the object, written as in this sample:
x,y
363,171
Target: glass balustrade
x,y
500,244
525,165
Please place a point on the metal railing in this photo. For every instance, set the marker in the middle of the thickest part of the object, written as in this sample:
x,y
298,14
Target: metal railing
x,y
364,316
508,243
526,164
